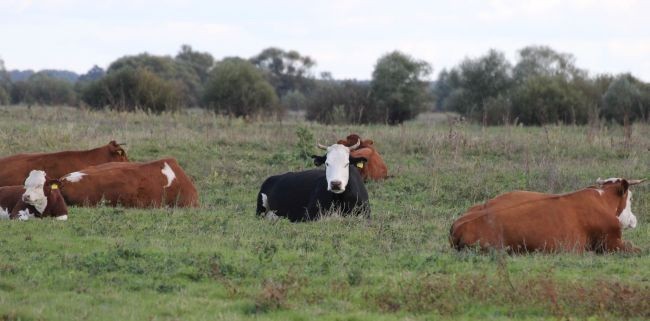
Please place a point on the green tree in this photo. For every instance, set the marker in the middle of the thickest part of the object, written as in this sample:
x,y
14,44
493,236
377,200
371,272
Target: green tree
x,y
200,62
398,88
5,85
180,75
236,87
129,89
626,100
544,61
42,89
549,99
334,102
286,70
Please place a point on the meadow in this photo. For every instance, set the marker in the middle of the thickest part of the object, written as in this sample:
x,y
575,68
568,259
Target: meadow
x,y
221,262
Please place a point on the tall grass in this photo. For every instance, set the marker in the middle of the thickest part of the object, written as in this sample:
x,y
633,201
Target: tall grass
x,y
221,262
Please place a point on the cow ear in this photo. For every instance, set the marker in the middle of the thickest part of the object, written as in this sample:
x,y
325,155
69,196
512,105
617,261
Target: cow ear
x,y
368,142
359,162
319,160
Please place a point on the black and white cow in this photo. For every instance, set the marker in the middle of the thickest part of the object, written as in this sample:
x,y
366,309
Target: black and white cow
x,y
39,197
303,196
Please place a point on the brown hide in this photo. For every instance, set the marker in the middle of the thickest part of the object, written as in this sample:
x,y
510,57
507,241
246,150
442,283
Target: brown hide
x,y
527,221
131,185
375,168
14,169
11,201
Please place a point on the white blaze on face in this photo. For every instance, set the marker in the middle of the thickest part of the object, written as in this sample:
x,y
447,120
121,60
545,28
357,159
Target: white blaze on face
x,y
336,168
627,218
74,177
169,173
34,194
4,214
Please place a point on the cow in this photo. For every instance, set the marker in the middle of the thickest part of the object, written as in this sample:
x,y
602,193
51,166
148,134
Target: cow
x,y
39,197
590,219
14,169
306,195
153,184
375,168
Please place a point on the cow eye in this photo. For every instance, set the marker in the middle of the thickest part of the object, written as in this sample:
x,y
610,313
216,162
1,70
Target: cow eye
x,y
327,164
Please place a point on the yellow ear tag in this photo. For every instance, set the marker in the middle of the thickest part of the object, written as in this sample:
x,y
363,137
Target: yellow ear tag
x,y
360,164
54,186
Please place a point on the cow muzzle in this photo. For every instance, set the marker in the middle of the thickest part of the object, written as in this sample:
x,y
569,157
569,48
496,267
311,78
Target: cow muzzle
x,y
336,187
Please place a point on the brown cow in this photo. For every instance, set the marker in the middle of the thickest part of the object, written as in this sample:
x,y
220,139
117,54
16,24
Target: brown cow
x,y
590,219
39,197
375,168
14,169
153,184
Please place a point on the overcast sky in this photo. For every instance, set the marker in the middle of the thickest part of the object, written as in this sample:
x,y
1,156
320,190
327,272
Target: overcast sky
x,y
345,37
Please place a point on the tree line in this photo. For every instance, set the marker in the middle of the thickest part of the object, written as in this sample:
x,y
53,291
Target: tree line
x,y
543,86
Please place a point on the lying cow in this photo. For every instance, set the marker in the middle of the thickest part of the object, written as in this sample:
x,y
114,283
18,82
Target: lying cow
x,y
375,168
40,197
14,169
590,219
303,196
153,184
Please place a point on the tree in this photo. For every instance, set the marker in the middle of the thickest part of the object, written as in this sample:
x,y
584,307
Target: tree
x,y
43,89
398,88
200,62
129,89
182,76
5,85
476,88
285,70
95,73
549,99
334,102
626,100
544,61
235,87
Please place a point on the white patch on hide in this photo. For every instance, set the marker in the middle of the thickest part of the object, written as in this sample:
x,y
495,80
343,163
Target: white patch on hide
x,y
627,218
74,177
268,213
600,191
4,214
62,218
169,173
336,167
34,194
25,215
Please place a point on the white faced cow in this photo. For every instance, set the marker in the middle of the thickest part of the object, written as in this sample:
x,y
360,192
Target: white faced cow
x,y
303,196
40,197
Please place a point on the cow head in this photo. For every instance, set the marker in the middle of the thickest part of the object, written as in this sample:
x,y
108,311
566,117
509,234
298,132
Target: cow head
x,y
44,195
353,139
337,165
116,152
621,186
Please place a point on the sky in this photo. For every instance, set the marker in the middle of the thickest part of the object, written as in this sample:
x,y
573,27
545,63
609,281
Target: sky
x,y
345,37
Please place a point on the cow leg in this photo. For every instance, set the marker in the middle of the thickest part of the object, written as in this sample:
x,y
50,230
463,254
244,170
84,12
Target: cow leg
x,y
616,244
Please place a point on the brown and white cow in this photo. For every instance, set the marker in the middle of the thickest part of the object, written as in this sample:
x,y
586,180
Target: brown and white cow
x,y
39,197
153,184
375,168
14,169
590,219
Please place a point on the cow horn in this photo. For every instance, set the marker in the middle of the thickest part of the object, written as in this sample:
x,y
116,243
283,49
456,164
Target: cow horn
x,y
322,146
636,181
355,146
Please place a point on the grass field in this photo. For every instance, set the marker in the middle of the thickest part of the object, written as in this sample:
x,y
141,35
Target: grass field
x,y
220,262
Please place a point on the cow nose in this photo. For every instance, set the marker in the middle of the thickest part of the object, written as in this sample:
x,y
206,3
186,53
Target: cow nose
x,y
26,198
336,185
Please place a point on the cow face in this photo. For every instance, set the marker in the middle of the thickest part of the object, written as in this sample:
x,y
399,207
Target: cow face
x,y
627,219
34,190
337,166
116,152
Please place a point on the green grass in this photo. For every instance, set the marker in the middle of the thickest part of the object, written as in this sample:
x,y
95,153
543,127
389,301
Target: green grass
x,y
219,262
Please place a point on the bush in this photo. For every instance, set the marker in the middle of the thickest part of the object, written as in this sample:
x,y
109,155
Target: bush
x,y
132,89
235,87
333,102
44,90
